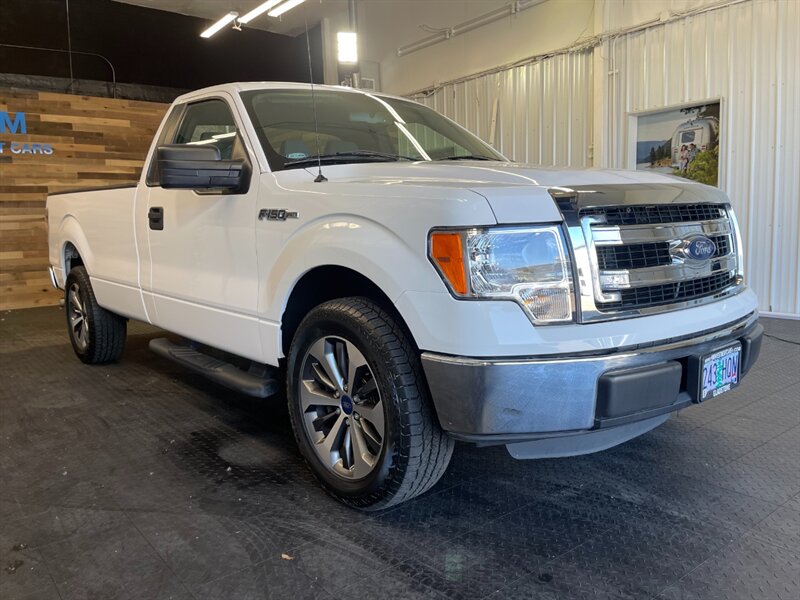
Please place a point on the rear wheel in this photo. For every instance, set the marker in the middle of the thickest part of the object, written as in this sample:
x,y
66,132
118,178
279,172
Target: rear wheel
x,y
97,335
360,408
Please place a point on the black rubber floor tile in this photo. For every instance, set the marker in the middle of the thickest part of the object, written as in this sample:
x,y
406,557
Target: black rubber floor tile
x,y
339,558
771,471
197,548
667,497
115,557
747,426
542,587
10,510
63,488
793,503
155,584
269,580
476,563
45,594
780,408
775,351
23,571
442,514
408,583
781,528
200,547
688,456
748,568
58,523
786,328
635,560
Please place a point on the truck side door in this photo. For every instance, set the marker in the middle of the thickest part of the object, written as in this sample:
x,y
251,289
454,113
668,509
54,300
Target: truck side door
x,y
202,274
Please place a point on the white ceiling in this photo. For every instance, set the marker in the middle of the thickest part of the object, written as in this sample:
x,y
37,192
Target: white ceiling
x,y
290,23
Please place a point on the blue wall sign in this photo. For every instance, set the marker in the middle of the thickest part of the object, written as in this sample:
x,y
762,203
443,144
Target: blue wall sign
x,y
17,124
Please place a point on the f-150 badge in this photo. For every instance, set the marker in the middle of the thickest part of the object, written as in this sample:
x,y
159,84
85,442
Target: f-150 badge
x,y
276,214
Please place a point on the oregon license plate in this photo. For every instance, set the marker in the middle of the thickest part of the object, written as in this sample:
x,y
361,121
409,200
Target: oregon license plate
x,y
720,372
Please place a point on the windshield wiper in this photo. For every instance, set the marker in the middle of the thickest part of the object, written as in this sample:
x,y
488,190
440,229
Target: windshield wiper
x,y
369,155
466,157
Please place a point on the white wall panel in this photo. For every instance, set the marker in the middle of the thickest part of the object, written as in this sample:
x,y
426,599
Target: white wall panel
x,y
543,110
748,54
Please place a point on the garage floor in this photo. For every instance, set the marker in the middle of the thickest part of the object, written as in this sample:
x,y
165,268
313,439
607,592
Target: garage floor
x,y
141,480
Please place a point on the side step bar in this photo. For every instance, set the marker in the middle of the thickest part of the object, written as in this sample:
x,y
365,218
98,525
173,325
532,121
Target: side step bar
x,y
257,385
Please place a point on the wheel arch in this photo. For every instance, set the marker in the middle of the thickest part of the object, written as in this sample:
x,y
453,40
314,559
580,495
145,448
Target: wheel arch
x,y
329,282
75,248
70,257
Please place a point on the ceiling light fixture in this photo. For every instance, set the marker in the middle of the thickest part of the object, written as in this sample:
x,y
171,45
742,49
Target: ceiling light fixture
x,y
286,6
347,42
219,24
259,10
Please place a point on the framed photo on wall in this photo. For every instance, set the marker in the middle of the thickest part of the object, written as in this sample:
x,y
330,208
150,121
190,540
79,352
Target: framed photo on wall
x,y
679,140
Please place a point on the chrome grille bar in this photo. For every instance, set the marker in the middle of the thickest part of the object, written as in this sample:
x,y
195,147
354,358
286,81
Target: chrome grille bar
x,y
624,279
639,234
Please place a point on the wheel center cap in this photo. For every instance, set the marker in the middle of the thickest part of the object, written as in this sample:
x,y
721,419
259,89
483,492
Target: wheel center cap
x,y
347,405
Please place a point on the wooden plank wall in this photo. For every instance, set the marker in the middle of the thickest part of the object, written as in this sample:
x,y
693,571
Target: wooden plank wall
x,y
96,141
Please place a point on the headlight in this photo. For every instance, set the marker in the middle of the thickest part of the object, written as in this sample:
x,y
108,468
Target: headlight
x,y
529,265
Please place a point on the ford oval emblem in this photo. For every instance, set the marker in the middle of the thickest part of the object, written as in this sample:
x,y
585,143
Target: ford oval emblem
x,y
699,248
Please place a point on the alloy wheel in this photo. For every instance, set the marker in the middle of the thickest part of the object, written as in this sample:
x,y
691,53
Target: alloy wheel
x,y
342,407
78,317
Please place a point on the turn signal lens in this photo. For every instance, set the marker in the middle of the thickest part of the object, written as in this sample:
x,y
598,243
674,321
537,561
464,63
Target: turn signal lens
x,y
447,252
528,264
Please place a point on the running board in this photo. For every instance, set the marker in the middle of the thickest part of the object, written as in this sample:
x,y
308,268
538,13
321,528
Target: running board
x,y
257,385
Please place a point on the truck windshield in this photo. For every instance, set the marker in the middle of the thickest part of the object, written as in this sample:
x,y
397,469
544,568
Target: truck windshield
x,y
354,127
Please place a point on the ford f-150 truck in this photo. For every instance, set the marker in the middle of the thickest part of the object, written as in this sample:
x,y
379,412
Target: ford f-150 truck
x,y
410,285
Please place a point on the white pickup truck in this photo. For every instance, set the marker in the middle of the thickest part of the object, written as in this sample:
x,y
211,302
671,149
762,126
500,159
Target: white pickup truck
x,y
411,285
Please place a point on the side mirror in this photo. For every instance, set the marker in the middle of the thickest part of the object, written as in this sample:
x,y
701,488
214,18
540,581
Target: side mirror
x,y
199,167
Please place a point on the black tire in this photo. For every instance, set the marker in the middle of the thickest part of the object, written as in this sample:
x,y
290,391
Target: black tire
x,y
415,451
104,338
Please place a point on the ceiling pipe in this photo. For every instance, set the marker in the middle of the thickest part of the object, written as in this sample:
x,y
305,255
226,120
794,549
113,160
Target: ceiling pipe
x,y
352,15
479,21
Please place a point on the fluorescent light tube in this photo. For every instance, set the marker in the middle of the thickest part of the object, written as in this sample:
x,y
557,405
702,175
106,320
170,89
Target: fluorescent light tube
x,y
286,6
347,42
259,10
219,24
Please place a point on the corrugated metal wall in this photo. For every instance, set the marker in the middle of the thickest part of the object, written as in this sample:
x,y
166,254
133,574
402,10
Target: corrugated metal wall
x,y
543,111
748,54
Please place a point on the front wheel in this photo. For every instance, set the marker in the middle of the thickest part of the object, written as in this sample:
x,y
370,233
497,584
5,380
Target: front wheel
x,y
360,408
97,335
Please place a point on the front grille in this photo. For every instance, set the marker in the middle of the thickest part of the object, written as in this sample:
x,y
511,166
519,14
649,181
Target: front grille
x,y
638,260
653,254
669,293
657,214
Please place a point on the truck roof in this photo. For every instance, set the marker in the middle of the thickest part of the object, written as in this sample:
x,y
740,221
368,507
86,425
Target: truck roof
x,y
233,88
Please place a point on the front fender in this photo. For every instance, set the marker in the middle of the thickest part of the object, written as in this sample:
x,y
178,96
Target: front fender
x,y
392,263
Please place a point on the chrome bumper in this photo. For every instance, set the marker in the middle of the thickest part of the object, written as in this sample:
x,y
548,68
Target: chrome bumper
x,y
509,401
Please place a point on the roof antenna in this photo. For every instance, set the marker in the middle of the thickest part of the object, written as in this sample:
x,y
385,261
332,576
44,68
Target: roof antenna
x,y
320,177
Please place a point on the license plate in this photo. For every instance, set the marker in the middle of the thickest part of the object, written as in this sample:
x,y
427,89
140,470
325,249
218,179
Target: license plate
x,y
720,372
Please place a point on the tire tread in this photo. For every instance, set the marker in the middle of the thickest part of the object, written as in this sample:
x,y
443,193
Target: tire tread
x,y
108,330
424,449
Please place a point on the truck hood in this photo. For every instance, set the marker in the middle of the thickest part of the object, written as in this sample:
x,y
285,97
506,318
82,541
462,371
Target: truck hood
x,y
516,193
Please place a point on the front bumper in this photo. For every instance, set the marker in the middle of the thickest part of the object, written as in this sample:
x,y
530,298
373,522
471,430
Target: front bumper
x,y
535,405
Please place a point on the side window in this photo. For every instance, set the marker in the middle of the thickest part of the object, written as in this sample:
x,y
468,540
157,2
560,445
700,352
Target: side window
x,y
210,122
